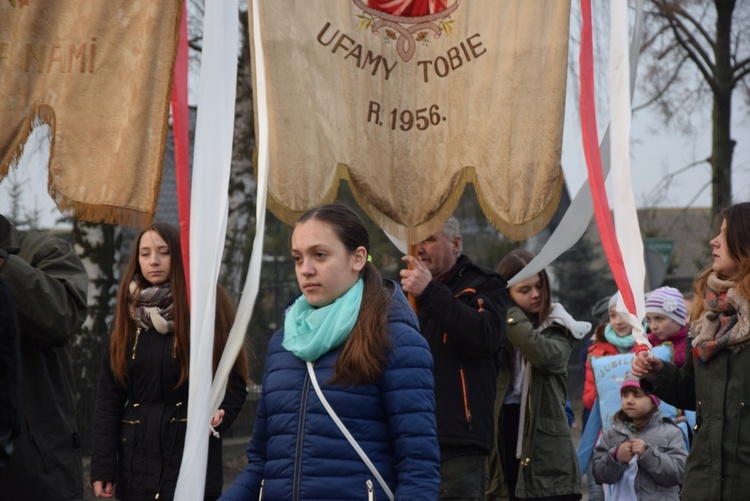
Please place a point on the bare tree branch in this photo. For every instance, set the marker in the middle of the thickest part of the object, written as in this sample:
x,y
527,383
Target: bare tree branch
x,y
739,76
707,75
660,92
668,50
740,64
682,12
681,30
646,44
662,186
703,188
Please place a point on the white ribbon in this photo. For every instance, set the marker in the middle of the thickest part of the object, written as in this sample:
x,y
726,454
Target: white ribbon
x,y
252,280
209,205
626,217
576,219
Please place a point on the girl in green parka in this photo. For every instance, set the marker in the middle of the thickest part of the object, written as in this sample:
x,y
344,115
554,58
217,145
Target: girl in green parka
x,y
534,456
715,380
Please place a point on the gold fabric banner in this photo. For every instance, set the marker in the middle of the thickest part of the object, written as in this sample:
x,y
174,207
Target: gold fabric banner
x,y
409,100
99,73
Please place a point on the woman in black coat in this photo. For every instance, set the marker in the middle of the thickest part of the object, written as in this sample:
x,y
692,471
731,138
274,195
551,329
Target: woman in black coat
x,y
140,416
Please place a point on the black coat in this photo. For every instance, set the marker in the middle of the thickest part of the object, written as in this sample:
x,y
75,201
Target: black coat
x,y
139,431
10,406
49,283
463,320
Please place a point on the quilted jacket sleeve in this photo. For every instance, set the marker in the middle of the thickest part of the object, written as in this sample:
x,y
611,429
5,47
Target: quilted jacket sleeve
x,y
409,402
605,468
247,485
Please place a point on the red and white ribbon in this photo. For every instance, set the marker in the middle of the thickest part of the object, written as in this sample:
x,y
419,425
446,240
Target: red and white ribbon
x,y
209,205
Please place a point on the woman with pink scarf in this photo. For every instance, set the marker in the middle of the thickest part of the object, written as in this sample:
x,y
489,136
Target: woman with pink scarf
x,y
714,380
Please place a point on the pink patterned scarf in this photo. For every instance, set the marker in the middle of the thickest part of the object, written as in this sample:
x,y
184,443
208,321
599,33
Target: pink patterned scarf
x,y
724,323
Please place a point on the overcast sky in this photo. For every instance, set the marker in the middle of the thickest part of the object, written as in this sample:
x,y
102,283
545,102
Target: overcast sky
x,y
657,150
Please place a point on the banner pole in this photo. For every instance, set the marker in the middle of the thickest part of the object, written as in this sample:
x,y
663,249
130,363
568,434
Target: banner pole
x,y
413,251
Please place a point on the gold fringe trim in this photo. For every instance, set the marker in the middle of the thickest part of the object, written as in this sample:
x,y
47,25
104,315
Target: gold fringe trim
x,y
83,211
528,229
432,222
100,213
290,216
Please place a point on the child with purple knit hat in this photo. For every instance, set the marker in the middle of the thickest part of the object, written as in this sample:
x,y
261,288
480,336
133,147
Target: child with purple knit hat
x,y
666,314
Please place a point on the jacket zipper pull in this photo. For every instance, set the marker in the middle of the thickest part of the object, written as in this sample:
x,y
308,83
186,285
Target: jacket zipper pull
x,y
370,491
465,394
135,344
260,494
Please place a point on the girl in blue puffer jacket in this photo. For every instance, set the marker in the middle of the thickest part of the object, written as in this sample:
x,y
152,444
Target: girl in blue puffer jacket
x,y
372,365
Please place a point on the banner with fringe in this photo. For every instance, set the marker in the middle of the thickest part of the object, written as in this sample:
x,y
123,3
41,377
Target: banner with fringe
x,y
98,73
410,100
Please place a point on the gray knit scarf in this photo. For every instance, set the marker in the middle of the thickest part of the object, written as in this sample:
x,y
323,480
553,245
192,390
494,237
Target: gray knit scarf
x,y
152,307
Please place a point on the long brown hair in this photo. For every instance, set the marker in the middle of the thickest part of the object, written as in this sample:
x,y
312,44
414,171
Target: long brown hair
x,y
125,326
738,245
365,351
512,264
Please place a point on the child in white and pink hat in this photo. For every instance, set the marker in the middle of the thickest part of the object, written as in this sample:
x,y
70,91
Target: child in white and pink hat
x,y
666,314
642,455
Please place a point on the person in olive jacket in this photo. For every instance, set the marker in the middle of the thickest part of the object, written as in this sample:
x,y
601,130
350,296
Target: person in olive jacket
x,y
534,456
715,380
461,309
50,284
140,413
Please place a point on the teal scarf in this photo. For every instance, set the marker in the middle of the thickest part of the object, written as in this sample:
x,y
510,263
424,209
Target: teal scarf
x,y
311,332
623,343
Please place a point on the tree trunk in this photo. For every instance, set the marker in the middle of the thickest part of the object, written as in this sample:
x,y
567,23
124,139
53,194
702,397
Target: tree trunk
x,y
98,246
722,146
242,187
722,150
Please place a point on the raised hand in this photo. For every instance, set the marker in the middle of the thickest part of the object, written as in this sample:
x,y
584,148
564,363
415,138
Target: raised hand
x,y
645,366
415,280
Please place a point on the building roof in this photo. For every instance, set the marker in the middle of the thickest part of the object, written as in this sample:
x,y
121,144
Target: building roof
x,y
686,230
166,206
691,229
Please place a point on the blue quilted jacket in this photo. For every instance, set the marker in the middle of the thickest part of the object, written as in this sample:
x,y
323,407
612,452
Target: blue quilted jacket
x,y
298,453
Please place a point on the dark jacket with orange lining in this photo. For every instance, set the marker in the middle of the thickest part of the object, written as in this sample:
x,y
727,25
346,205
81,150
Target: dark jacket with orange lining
x,y
463,319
